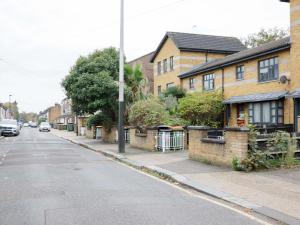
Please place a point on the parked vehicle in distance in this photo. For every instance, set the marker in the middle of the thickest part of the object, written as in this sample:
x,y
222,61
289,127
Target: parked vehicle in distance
x,y
33,124
9,127
44,126
25,125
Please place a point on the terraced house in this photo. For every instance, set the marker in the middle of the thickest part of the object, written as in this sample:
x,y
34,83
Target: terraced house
x,y
261,85
179,52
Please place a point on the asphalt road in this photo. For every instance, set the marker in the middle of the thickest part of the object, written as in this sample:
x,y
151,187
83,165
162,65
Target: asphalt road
x,y
47,180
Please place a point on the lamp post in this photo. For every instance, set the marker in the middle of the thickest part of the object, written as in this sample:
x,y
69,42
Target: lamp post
x,y
121,141
9,107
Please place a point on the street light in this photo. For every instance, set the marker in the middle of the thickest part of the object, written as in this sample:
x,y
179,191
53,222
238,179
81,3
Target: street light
x,y
121,141
9,106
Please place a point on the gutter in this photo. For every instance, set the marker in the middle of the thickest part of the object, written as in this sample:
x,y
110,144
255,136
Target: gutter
x,y
281,48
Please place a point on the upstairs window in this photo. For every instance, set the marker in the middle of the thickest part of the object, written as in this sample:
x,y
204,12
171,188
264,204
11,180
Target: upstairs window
x,y
208,82
268,69
192,83
158,68
171,63
165,68
240,72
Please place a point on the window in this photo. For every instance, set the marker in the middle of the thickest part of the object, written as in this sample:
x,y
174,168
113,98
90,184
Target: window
x,y
165,68
268,69
208,82
240,113
171,63
240,72
192,83
158,68
159,90
170,85
266,112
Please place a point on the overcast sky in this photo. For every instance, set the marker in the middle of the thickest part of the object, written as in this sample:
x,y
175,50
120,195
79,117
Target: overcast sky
x,y
41,39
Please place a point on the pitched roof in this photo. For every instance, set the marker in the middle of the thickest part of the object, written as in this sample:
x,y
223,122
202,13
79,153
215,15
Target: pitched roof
x,y
262,50
202,43
256,97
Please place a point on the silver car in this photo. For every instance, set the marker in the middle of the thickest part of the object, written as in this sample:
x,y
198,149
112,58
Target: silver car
x,y
44,126
9,127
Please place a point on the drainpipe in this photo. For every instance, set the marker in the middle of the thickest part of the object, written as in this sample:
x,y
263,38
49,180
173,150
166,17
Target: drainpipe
x,y
222,82
206,57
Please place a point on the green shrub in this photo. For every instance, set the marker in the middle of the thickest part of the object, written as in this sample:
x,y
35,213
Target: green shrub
x,y
99,119
205,108
148,112
175,91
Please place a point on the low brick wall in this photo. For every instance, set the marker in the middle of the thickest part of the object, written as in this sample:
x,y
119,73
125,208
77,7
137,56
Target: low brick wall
x,y
109,136
143,141
220,152
90,133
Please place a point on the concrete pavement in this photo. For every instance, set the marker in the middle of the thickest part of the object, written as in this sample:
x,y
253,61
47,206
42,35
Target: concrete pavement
x,y
47,180
274,193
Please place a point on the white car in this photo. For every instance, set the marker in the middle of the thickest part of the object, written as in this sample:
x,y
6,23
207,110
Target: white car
x,y
9,127
25,125
44,126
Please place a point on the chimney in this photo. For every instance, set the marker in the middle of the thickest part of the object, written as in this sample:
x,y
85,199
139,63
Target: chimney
x,y
295,42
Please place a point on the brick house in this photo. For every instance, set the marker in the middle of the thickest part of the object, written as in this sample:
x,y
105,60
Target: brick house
x,y
147,69
261,85
179,52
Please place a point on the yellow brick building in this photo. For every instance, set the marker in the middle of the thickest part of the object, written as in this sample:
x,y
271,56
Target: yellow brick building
x,y
179,52
260,86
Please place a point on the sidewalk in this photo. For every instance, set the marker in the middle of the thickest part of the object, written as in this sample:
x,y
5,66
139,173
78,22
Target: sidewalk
x,y
273,193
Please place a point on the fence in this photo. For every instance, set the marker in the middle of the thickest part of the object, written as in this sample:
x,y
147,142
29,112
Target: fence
x,y
127,135
169,140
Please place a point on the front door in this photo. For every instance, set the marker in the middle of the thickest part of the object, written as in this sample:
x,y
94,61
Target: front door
x,y
297,114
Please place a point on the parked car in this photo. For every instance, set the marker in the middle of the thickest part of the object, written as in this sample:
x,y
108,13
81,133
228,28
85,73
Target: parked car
x,y
25,125
9,127
44,126
33,125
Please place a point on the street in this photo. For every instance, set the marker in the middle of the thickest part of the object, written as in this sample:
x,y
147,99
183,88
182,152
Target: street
x,y
47,180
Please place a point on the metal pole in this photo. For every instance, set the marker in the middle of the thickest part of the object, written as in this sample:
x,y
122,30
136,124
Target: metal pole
x,y
121,141
9,106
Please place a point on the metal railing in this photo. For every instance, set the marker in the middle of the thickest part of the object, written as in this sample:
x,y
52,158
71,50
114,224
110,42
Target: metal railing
x,y
127,135
169,141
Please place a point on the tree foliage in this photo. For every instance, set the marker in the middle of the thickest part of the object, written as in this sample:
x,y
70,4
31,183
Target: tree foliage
x,y
92,83
264,36
148,112
205,108
175,91
135,81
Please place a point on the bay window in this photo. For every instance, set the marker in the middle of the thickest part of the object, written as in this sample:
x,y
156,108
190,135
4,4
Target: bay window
x,y
270,112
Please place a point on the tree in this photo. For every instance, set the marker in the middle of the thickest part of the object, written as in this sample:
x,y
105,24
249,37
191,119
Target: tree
x,y
92,84
205,108
135,80
13,106
264,36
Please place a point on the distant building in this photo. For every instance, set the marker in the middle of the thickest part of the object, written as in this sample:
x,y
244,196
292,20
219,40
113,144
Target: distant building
x,y
147,69
4,112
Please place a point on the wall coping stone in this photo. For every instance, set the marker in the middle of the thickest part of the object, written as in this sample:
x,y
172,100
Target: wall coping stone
x,y
238,129
212,140
198,128
140,135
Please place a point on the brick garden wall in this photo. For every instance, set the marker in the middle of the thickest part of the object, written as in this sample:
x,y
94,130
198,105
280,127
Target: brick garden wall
x,y
143,141
220,152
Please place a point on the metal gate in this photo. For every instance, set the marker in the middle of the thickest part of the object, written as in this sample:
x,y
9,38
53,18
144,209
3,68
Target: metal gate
x,y
168,140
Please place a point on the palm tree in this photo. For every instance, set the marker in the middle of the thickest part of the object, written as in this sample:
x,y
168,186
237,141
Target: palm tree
x,y
135,80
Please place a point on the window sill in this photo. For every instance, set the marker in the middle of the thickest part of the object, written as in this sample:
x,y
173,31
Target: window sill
x,y
240,79
267,81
